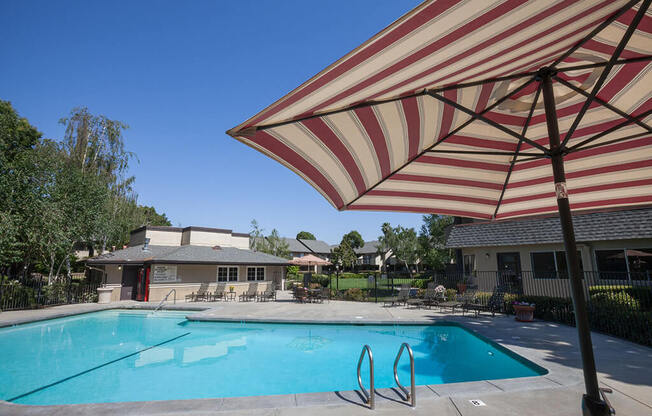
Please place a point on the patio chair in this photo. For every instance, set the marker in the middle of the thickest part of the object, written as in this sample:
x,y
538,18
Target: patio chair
x,y
301,295
201,294
325,294
451,304
250,294
495,303
219,292
429,298
268,294
401,298
468,300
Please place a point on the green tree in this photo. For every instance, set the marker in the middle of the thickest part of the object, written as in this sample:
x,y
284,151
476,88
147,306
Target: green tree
x,y
354,239
305,235
272,244
432,241
404,245
17,139
343,255
384,248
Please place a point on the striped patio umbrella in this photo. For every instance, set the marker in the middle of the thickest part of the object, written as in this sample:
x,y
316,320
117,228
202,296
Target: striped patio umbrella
x,y
488,109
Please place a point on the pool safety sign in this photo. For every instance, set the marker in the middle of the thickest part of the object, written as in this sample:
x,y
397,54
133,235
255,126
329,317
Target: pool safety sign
x,y
164,273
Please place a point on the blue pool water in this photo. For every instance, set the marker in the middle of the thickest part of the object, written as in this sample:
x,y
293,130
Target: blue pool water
x,y
126,355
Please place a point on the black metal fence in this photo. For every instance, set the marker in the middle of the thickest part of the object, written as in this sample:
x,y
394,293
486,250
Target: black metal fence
x,y
619,304
31,293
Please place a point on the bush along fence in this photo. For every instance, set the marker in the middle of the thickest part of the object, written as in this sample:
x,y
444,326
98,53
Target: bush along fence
x,y
619,304
36,293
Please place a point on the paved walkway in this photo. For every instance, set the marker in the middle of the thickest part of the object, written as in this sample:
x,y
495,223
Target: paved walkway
x,y
623,366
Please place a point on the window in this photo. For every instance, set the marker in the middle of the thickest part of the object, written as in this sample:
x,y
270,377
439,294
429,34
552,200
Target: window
x,y
551,265
543,265
255,273
227,274
469,264
634,264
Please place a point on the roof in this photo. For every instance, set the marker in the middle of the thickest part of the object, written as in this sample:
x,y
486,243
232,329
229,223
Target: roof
x,y
441,112
369,247
597,226
316,246
307,246
189,228
187,254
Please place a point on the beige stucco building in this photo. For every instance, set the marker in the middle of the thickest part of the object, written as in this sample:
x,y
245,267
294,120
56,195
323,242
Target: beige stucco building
x,y
159,259
613,246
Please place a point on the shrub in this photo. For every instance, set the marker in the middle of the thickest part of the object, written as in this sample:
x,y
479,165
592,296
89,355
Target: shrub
x,y
292,272
354,294
451,294
353,275
643,295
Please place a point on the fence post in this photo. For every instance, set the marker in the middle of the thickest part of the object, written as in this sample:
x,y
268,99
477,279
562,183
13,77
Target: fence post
x,y
376,287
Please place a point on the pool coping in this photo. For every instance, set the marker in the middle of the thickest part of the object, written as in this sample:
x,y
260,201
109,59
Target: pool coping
x,y
550,380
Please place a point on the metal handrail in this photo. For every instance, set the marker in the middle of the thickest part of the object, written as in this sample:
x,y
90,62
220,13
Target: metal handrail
x,y
166,298
369,395
411,395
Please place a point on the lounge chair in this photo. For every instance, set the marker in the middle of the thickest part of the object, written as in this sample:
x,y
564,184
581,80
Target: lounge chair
x,y
401,298
250,294
468,300
429,298
219,292
495,303
268,294
201,294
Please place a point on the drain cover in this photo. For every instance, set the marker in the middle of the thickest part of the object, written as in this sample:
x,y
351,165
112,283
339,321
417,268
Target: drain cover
x,y
477,403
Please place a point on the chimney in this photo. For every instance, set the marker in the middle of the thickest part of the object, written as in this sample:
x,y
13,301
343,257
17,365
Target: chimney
x,y
146,245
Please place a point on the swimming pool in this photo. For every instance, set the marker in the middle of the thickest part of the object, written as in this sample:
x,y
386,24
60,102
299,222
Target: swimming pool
x,y
132,355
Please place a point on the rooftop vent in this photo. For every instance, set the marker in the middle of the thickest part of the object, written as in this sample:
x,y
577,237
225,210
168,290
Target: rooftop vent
x,y
146,245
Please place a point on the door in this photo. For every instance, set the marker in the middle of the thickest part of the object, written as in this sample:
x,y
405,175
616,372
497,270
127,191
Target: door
x,y
509,270
129,282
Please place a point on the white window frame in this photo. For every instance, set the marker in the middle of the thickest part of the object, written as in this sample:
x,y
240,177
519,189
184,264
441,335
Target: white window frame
x,y
229,277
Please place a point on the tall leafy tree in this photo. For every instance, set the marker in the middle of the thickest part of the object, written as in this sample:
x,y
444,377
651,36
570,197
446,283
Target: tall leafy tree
x,y
432,241
404,245
354,239
343,255
384,248
305,235
272,244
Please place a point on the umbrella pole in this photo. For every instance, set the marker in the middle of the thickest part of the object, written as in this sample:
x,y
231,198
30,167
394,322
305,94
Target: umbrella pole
x,y
592,403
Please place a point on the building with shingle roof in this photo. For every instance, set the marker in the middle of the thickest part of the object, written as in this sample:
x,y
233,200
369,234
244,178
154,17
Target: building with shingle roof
x,y
159,259
613,245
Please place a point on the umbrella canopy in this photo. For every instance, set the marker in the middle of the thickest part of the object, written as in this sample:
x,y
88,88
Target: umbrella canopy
x,y
309,260
441,112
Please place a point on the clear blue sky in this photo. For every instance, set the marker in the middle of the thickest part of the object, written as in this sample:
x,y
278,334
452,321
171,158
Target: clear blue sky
x,y
180,74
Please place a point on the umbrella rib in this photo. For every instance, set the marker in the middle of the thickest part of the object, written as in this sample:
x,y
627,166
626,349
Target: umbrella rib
x,y
518,148
614,141
479,116
471,152
600,64
595,31
604,104
410,160
604,133
605,72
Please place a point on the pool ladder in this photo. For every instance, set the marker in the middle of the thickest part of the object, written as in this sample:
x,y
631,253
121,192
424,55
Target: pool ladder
x,y
369,395
160,305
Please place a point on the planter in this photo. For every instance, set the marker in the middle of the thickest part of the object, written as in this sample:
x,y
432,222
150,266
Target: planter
x,y
524,313
461,288
104,295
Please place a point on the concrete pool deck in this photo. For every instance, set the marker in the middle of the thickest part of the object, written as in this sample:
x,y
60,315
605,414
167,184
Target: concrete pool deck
x,y
623,366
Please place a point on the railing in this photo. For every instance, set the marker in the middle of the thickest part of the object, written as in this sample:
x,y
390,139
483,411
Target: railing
x,y
368,395
409,395
36,293
160,305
